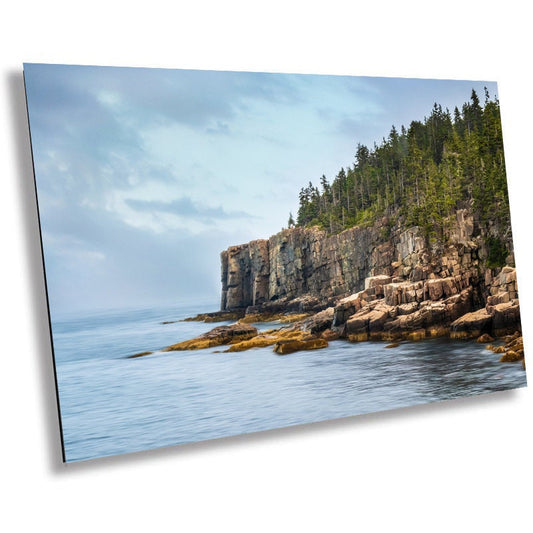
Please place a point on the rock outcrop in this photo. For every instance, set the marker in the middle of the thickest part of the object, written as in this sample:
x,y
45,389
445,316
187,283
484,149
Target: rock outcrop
x,y
512,350
245,275
290,346
297,262
240,336
306,263
216,337
367,283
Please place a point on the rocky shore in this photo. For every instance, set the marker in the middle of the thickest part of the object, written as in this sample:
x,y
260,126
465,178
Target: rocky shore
x,y
364,284
385,311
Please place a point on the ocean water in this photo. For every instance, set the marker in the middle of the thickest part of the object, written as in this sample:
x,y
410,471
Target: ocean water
x,y
111,404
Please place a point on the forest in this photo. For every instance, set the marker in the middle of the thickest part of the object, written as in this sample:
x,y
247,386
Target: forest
x,y
422,174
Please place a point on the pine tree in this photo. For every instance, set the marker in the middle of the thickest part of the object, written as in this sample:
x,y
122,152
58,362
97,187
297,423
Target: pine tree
x,y
421,173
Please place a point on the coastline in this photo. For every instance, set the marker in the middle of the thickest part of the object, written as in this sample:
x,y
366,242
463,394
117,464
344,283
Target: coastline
x,y
366,316
203,394
367,284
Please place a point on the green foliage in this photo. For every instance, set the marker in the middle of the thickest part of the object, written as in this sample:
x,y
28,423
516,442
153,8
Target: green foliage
x,y
422,173
497,253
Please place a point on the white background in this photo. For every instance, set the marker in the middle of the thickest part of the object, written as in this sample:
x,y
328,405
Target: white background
x,y
460,466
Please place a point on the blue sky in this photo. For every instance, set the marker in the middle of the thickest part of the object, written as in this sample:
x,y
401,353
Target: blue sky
x,y
145,175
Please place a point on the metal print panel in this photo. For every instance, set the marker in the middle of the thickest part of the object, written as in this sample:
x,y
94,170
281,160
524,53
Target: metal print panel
x,y
231,252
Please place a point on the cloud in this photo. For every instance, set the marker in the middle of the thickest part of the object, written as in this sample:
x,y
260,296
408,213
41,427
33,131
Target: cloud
x,y
94,260
186,208
192,97
221,128
142,174
89,124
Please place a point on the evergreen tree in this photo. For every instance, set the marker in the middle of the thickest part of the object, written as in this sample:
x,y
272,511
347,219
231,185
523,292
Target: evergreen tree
x,y
422,173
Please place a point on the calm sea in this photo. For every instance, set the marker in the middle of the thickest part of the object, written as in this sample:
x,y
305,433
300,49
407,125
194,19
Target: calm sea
x,y
112,405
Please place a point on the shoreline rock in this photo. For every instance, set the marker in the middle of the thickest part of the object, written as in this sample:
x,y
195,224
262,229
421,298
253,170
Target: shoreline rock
x,y
215,316
380,284
216,337
388,309
284,318
376,321
512,351
284,347
140,354
240,337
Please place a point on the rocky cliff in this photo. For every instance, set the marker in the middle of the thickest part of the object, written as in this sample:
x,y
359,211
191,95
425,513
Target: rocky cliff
x,y
308,270
385,282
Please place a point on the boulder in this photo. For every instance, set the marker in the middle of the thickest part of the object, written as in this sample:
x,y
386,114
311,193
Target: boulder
x,y
290,346
441,288
512,351
402,293
483,339
425,317
347,307
459,304
405,323
472,324
434,313
377,283
376,319
505,317
358,323
407,309
319,322
499,298
434,289
510,357
330,335
304,303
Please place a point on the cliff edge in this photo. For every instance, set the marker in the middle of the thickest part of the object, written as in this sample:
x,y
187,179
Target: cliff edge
x,y
304,269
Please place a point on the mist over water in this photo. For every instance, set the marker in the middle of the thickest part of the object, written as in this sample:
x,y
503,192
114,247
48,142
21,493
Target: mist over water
x,y
111,404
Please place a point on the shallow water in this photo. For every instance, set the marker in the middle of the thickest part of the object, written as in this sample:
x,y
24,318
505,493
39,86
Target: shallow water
x,y
111,404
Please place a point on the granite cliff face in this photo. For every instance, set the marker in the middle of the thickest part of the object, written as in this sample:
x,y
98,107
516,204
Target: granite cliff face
x,y
294,263
384,282
308,270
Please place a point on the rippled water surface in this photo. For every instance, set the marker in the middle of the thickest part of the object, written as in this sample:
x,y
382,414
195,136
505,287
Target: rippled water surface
x,y
111,404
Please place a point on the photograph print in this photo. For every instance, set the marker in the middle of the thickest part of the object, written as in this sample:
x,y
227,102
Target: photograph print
x,y
232,252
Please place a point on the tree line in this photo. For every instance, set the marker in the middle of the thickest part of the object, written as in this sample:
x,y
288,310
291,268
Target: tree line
x,y
422,173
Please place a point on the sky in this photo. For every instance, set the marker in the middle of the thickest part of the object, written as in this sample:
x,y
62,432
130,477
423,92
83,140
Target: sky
x,y
145,175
